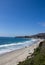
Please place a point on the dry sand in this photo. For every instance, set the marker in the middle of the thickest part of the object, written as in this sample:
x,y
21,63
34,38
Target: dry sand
x,y
12,58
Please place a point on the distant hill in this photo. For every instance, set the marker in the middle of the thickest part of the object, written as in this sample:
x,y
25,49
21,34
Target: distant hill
x,y
39,35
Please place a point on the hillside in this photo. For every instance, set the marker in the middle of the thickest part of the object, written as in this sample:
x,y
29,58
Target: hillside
x,y
37,58
40,35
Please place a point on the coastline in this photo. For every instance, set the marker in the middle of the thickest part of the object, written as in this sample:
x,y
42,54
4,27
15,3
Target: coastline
x,y
12,58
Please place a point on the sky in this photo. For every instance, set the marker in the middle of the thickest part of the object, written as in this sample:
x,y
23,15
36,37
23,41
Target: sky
x,y
22,17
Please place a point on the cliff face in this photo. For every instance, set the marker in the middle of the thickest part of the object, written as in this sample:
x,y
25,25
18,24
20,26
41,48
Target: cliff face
x,y
40,35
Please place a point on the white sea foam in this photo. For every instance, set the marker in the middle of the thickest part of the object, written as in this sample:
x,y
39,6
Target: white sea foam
x,y
13,46
19,43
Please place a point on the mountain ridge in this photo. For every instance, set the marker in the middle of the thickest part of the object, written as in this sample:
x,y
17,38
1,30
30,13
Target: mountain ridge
x,y
39,35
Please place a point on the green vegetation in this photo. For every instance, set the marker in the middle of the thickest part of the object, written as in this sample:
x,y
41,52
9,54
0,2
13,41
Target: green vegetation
x,y
37,58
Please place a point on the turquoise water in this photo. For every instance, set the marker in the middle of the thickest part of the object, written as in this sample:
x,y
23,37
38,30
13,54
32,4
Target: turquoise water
x,y
8,44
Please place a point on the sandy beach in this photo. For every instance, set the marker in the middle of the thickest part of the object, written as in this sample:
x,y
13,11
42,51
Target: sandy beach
x,y
12,58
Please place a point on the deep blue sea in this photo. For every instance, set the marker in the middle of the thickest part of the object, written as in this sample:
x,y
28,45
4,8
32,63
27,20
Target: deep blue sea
x,y
8,44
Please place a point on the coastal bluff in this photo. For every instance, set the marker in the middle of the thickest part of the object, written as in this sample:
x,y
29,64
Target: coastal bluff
x,y
39,35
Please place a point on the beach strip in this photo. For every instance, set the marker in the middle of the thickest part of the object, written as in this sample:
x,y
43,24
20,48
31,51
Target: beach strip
x,y
12,58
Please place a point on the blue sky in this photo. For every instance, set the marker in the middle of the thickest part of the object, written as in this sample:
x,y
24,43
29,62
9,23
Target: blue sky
x,y
22,17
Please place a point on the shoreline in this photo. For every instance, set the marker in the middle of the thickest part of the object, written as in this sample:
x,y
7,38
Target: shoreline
x,y
13,57
10,47
20,48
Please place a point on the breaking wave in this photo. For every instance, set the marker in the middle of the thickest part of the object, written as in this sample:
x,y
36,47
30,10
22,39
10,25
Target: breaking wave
x,y
14,46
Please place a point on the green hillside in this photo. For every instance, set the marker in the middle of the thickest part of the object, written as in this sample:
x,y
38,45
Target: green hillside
x,y
37,58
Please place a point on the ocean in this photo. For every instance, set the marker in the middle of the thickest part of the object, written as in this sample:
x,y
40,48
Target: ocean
x,y
8,44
